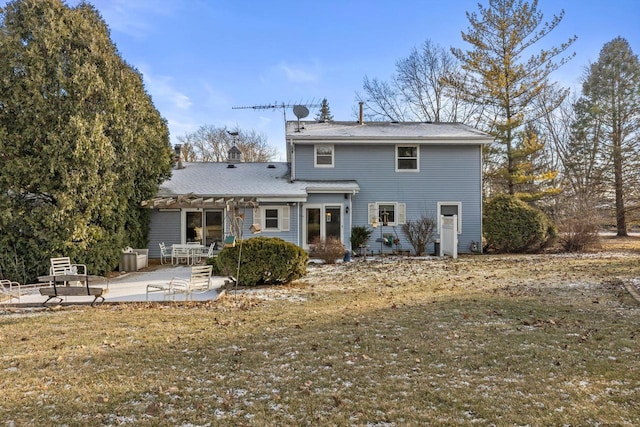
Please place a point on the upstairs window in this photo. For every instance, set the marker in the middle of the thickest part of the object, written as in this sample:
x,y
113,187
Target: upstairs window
x,y
407,157
323,157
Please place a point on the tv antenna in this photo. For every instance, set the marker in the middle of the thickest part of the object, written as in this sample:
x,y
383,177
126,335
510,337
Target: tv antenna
x,y
299,110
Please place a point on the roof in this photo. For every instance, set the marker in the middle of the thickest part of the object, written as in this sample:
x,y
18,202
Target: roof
x,y
232,179
371,132
207,184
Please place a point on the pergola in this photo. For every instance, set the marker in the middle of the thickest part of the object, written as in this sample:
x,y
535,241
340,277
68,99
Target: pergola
x,y
192,200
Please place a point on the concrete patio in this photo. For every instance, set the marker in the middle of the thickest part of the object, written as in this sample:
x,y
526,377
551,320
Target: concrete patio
x,y
129,287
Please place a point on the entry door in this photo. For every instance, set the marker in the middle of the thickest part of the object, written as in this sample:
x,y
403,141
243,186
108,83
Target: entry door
x,y
323,222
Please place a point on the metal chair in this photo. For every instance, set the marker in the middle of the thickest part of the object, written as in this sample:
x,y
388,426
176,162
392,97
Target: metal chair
x,y
164,254
200,281
207,252
9,290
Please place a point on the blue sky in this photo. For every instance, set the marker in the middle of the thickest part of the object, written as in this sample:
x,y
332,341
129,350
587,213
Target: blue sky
x,y
201,58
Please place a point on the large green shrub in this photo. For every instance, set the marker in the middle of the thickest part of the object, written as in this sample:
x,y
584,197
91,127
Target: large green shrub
x,y
264,261
511,225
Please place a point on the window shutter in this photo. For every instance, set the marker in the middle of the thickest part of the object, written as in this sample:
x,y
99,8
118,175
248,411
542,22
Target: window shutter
x,y
257,217
373,212
285,219
402,213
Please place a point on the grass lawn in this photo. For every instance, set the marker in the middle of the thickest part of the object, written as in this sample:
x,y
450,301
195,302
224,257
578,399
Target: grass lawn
x,y
482,340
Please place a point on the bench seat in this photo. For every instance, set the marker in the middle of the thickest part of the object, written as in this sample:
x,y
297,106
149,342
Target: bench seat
x,y
72,291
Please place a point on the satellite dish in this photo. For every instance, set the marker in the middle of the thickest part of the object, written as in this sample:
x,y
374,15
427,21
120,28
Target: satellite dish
x,y
300,111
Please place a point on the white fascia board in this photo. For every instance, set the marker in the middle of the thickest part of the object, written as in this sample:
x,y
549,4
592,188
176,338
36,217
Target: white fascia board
x,y
281,199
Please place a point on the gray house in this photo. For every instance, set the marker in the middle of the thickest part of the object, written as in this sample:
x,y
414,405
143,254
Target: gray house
x,y
338,175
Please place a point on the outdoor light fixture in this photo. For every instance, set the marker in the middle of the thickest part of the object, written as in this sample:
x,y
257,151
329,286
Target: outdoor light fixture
x,y
346,210
328,215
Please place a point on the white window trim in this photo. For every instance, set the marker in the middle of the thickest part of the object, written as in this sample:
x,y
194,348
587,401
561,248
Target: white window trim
x,y
284,218
400,211
417,169
459,204
315,155
323,225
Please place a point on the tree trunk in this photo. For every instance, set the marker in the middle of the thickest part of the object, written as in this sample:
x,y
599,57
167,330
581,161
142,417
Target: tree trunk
x,y
621,222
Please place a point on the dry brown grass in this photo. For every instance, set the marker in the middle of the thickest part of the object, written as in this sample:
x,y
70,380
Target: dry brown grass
x,y
487,340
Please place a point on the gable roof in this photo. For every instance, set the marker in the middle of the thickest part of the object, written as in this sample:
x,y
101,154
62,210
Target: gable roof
x,y
372,132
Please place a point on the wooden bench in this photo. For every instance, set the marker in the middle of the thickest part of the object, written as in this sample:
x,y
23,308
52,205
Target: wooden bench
x,y
68,290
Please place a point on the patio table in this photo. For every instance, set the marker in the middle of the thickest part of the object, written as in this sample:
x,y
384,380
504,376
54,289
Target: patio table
x,y
188,249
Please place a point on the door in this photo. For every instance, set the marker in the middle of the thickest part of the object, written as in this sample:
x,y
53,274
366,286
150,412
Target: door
x,y
322,222
213,227
204,227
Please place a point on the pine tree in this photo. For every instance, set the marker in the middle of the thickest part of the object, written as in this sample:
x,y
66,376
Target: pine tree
x,y
610,113
510,85
81,144
324,115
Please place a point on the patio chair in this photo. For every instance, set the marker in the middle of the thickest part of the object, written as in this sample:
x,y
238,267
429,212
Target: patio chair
x,y
200,281
62,265
180,253
164,253
9,290
207,252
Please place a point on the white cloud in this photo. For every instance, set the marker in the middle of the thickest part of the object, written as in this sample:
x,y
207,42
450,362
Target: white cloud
x,y
133,17
162,90
298,73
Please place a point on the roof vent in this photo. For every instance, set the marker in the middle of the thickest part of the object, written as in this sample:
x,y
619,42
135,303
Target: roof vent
x,y
231,166
271,167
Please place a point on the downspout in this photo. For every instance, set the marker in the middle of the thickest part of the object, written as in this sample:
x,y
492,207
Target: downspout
x,y
292,160
299,227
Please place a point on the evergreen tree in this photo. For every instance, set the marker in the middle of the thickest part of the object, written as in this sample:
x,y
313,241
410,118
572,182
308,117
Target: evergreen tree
x,y
509,85
324,115
81,144
609,113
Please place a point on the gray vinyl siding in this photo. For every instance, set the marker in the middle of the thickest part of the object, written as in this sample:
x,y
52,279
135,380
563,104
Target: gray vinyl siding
x,y
165,227
289,236
448,173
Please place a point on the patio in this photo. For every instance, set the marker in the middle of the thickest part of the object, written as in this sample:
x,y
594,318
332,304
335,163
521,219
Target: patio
x,y
130,287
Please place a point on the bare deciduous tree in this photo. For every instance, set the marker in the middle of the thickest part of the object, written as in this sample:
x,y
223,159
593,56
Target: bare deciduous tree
x,y
212,144
422,89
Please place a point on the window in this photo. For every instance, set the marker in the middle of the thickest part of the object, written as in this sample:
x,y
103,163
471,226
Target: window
x,y
272,218
394,213
407,158
386,214
450,209
323,156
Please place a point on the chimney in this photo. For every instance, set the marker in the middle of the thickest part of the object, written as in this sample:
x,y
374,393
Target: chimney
x,y
178,156
361,111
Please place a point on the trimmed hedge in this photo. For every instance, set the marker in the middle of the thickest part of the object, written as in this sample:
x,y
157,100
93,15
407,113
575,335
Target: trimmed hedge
x,y
265,261
511,225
